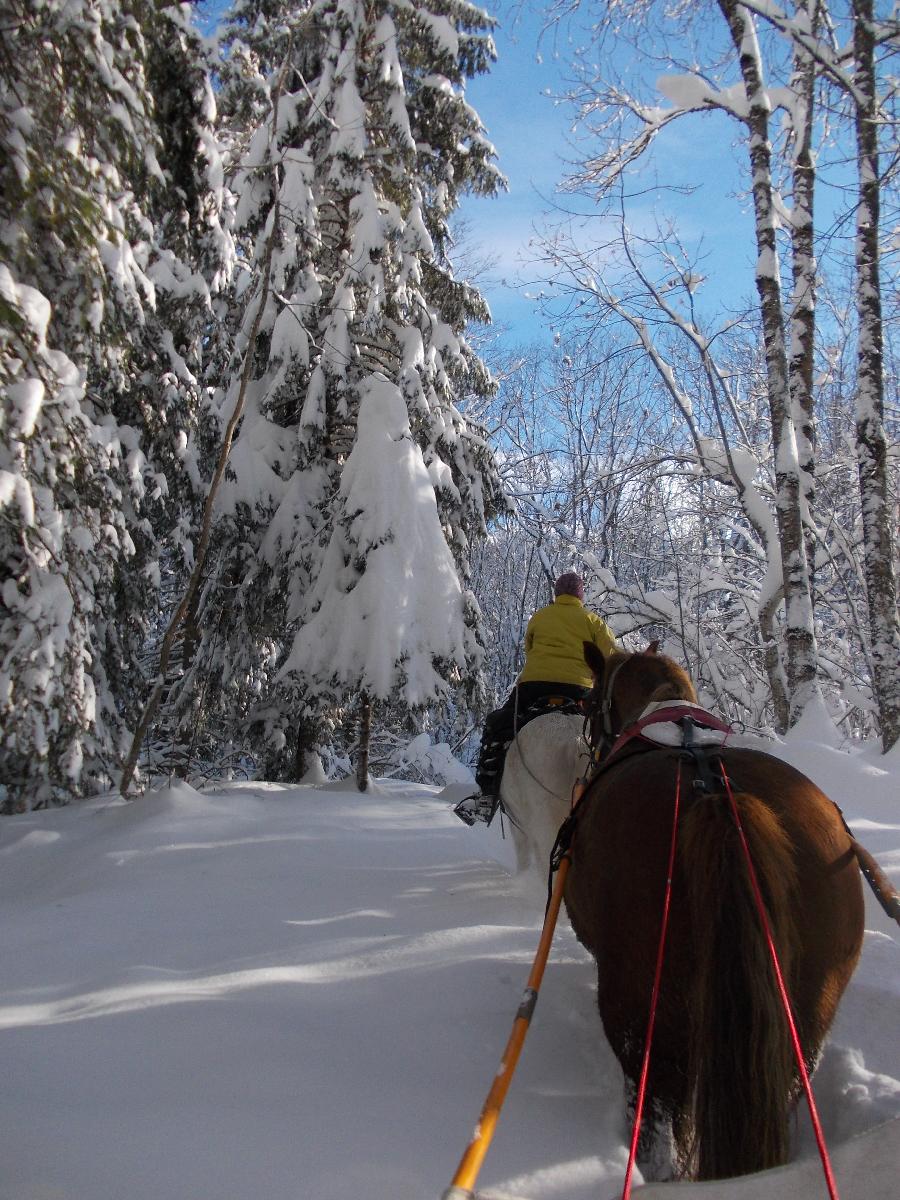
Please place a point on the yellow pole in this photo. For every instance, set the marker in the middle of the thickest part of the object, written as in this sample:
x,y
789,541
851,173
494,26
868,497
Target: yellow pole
x,y
470,1163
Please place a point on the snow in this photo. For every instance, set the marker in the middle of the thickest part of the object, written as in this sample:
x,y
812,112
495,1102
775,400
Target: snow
x,y
25,400
372,628
442,31
289,338
262,990
16,489
30,303
436,760
349,139
690,91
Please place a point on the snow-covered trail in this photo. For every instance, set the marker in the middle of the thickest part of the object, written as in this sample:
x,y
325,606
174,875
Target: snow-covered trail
x,y
270,992
263,991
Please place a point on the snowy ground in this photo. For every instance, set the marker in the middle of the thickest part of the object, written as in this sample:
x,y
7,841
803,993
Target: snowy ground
x,y
262,992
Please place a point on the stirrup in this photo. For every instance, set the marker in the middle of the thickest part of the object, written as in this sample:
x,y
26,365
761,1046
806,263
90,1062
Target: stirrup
x,y
477,807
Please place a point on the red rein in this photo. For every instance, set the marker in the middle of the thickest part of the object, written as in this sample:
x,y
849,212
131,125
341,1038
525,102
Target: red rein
x,y
785,1000
654,999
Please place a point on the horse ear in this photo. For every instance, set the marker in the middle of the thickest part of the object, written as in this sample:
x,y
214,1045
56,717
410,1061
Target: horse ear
x,y
653,648
594,659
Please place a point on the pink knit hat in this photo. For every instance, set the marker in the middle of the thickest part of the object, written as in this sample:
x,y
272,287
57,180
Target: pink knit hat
x,y
569,584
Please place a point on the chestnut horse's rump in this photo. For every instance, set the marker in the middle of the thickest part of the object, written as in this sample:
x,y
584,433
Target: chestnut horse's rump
x,y
722,1069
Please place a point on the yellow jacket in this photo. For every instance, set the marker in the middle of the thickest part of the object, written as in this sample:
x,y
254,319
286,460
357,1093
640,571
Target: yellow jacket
x,y
554,650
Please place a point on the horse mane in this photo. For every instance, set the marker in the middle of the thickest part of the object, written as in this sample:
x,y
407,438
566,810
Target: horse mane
x,y
674,689
648,679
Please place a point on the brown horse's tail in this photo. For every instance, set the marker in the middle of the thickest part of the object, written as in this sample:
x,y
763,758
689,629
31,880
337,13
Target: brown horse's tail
x,y
741,1065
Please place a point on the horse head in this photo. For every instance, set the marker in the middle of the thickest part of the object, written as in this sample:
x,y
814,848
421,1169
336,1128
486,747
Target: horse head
x,y
625,683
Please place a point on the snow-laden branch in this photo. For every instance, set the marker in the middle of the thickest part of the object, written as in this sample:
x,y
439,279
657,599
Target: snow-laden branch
x,y
834,62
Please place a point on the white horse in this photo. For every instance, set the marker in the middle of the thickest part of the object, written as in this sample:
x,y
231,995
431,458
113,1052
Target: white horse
x,y
542,766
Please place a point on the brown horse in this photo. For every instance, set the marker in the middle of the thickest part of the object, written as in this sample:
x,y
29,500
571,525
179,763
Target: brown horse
x,y
722,1078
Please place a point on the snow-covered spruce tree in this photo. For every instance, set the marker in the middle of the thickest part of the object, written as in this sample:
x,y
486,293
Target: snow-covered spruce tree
x,y
48,557
72,121
82,184
356,169
182,349
239,611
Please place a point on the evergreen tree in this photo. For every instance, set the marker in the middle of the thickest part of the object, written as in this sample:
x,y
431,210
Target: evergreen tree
x,y
101,268
73,126
365,145
180,351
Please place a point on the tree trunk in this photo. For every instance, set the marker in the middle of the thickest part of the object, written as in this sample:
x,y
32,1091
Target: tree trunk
x,y
305,747
871,443
772,661
801,667
362,750
186,728
804,266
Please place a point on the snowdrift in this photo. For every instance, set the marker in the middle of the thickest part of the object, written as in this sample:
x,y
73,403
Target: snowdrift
x,y
261,992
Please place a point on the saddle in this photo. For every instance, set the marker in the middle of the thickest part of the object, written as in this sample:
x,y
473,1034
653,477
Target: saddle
x,y
493,749
564,705
485,803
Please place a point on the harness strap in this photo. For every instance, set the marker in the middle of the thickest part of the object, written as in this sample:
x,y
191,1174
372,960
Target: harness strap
x,y
706,779
606,708
633,741
676,712
582,789
560,852
654,998
563,844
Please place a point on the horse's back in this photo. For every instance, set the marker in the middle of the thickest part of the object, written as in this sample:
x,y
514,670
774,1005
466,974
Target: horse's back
x,y
626,829
830,899
541,768
627,821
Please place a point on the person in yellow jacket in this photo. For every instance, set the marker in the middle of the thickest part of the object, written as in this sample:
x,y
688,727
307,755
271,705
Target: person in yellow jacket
x,y
554,643
554,666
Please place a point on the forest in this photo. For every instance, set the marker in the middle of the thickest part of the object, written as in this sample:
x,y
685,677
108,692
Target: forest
x,y
276,497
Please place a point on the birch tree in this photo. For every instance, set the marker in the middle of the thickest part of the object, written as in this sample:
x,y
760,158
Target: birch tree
x,y
628,125
855,73
799,631
877,507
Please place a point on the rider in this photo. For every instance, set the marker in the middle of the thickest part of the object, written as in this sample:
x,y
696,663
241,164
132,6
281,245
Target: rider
x,y
554,666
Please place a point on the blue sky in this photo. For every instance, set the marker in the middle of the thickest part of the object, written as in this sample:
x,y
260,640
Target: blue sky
x,y
533,138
